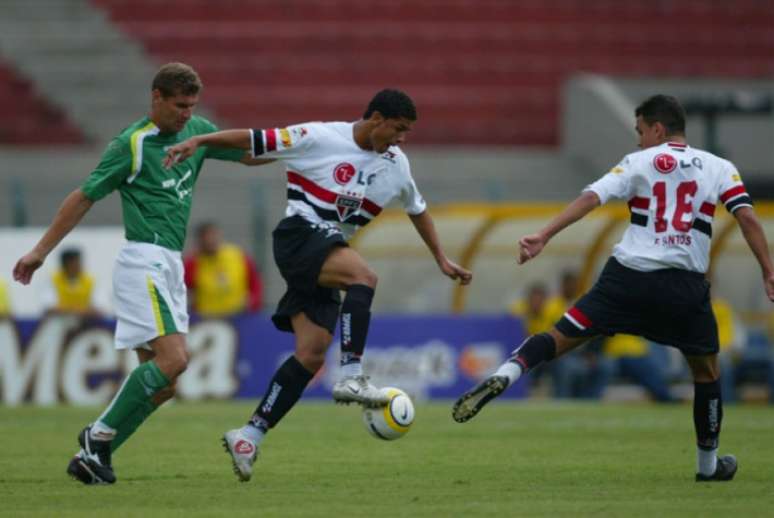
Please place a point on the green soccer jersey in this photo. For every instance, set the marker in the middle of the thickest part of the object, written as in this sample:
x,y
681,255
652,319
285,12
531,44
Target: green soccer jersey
x,y
156,202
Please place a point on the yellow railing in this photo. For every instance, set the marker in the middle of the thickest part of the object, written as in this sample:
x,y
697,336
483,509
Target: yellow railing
x,y
490,216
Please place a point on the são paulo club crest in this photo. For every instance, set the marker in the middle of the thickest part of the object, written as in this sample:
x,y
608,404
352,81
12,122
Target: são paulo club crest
x,y
343,173
664,163
347,205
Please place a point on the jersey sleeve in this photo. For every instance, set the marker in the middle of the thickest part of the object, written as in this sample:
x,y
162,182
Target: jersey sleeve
x,y
732,191
410,197
616,184
114,167
220,153
282,143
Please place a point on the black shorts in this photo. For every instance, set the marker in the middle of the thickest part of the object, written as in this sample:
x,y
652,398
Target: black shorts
x,y
300,249
670,306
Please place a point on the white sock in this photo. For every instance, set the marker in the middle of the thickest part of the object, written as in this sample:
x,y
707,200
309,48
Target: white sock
x,y
253,433
706,461
102,432
352,369
511,370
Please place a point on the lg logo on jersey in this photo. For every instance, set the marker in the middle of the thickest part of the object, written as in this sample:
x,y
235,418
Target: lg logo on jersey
x,y
665,163
344,172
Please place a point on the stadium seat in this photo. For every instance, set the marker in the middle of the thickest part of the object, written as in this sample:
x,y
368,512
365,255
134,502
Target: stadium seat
x,y
482,71
28,119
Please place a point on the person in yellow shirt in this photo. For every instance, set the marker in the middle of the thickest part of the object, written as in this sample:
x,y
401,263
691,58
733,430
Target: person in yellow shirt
x,y
731,338
629,356
5,300
580,373
221,278
72,287
532,309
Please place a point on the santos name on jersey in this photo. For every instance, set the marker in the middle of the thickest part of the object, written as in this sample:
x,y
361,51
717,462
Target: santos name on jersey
x,y
672,191
331,180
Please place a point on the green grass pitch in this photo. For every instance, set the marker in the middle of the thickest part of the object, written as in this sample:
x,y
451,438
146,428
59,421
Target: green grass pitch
x,y
514,459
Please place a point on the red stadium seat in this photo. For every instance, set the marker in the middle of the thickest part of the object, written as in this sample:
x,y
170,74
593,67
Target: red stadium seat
x,y
482,71
28,120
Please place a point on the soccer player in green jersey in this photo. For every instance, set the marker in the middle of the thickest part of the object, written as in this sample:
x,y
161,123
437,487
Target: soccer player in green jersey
x,y
149,292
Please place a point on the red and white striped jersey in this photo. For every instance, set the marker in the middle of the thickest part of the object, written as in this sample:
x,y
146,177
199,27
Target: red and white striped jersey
x,y
672,191
332,180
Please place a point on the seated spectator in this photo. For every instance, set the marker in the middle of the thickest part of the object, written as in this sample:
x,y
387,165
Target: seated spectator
x,y
732,337
532,309
629,356
71,287
576,375
5,300
222,278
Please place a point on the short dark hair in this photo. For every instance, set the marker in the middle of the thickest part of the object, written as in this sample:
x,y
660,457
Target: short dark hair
x,y
392,104
177,78
664,109
69,254
204,227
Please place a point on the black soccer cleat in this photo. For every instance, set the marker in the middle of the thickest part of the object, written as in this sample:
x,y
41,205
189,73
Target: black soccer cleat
x,y
93,464
81,471
724,471
472,401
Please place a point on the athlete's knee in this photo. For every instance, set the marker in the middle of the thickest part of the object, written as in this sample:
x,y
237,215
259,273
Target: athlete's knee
x,y
165,394
364,275
310,351
172,362
562,342
705,369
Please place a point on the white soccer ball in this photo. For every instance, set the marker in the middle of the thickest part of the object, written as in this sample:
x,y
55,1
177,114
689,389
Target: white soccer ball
x,y
392,421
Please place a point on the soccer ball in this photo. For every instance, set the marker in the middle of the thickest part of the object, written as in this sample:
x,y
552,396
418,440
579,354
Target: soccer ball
x,y
392,421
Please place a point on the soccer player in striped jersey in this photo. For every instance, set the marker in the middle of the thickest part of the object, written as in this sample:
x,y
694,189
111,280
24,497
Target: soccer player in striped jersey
x,y
654,284
149,292
340,176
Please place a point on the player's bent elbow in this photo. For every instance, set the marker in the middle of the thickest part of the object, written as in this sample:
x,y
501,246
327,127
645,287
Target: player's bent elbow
x,y
745,215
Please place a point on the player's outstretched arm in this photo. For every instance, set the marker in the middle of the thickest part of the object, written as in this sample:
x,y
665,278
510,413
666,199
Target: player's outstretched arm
x,y
426,229
74,206
531,245
756,240
237,139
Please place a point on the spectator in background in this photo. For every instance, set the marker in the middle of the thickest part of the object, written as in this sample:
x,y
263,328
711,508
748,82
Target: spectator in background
x,y
532,309
71,287
629,356
568,292
221,277
731,337
5,300
581,374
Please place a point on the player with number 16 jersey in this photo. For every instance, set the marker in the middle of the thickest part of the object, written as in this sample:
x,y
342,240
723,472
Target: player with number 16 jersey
x,y
654,284
672,191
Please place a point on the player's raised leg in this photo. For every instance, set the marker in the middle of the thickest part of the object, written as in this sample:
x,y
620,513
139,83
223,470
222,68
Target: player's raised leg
x,y
346,269
707,417
535,350
284,390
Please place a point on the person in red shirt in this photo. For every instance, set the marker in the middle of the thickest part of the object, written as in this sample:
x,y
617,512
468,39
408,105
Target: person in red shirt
x,y
221,278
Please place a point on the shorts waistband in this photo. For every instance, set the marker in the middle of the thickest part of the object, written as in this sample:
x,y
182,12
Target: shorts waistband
x,y
614,264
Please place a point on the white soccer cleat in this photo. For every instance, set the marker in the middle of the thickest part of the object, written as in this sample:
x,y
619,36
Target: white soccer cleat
x,y
243,453
357,389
